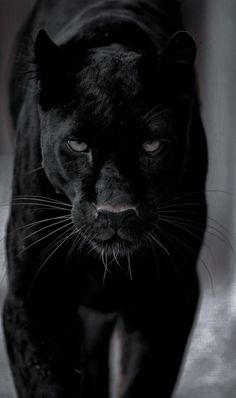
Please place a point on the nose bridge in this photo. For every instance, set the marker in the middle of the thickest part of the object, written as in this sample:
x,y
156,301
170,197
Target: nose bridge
x,y
110,170
111,186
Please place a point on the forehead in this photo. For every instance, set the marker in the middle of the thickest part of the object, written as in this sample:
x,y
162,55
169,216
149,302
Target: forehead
x,y
111,87
110,65
110,80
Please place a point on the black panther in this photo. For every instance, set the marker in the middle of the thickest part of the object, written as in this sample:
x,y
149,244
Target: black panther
x,y
108,208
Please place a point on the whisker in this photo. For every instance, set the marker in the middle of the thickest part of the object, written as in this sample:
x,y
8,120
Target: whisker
x,y
91,247
197,225
104,261
149,242
157,114
44,263
38,222
35,223
79,245
54,243
194,223
227,233
115,255
74,244
42,206
52,224
151,111
64,240
83,239
155,240
198,192
44,237
220,191
170,257
178,209
129,267
42,198
183,204
196,255
184,228
34,170
87,237
181,197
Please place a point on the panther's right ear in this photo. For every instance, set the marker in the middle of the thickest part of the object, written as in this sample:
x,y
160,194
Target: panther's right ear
x,y
51,70
56,64
46,53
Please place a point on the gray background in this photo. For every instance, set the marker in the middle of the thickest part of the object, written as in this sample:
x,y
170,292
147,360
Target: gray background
x,y
210,366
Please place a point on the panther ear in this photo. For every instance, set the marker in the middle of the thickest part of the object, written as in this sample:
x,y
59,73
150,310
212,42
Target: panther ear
x,y
51,65
181,48
177,63
46,53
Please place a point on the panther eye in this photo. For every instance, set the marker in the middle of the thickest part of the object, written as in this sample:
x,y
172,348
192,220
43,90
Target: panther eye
x,y
77,146
152,146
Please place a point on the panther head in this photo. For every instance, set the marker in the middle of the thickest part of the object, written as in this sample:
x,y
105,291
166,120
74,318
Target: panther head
x,y
114,124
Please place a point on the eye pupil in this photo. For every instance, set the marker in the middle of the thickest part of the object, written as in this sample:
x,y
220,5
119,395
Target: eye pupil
x,y
151,146
77,146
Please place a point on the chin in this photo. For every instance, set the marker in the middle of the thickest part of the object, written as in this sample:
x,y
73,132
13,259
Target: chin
x,y
116,248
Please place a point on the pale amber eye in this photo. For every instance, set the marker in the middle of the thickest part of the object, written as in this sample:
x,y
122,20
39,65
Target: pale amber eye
x,y
77,146
152,146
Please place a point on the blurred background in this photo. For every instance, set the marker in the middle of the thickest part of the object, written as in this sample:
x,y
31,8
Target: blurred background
x,y
209,369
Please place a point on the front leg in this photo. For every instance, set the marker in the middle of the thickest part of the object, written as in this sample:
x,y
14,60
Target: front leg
x,y
150,368
97,329
153,345
42,360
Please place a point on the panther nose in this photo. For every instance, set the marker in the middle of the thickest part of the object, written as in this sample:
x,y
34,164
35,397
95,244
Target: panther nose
x,y
116,215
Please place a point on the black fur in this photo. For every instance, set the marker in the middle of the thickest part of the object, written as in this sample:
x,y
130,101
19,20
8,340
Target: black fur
x,y
115,78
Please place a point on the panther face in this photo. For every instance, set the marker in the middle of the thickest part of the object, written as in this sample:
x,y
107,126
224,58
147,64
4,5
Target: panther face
x,y
114,136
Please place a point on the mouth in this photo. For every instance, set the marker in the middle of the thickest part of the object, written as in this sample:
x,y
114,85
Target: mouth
x,y
115,247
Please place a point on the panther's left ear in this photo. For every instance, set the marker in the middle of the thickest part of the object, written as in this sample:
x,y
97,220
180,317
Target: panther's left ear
x,y
177,65
181,48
